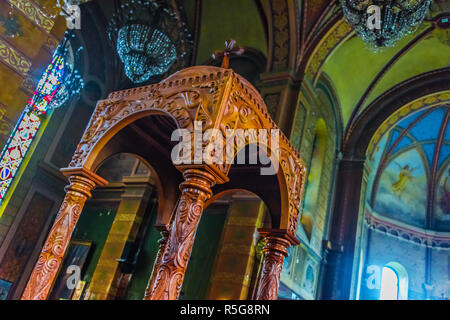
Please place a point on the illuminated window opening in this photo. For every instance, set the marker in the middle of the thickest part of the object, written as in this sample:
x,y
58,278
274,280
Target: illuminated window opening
x,y
394,282
389,285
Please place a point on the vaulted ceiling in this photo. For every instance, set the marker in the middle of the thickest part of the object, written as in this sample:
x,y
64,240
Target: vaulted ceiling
x,y
359,75
307,38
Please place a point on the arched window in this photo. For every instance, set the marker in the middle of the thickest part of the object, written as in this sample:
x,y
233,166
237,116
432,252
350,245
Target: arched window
x,y
394,282
389,285
59,81
315,173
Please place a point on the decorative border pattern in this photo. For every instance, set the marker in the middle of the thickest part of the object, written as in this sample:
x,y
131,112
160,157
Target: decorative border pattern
x,y
418,236
33,13
333,38
421,103
13,58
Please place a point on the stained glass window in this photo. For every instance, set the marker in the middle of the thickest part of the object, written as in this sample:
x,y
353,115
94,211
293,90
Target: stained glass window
x,y
48,85
16,148
29,122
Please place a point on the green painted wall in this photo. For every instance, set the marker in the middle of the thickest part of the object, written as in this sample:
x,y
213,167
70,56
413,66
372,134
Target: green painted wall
x,y
139,281
236,19
209,232
94,225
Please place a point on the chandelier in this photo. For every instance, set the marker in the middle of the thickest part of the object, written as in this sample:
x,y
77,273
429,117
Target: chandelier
x,y
397,18
149,38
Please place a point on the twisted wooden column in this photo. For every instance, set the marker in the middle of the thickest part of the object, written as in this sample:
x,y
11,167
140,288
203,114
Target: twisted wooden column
x,y
162,245
46,268
274,254
195,190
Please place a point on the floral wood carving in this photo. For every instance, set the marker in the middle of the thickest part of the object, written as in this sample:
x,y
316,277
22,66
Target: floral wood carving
x,y
220,99
46,268
169,273
274,254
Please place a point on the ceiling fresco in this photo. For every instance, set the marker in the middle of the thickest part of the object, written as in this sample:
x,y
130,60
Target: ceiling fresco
x,y
409,180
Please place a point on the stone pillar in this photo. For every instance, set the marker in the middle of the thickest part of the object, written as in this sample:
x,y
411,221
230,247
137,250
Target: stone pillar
x,y
134,204
280,91
274,253
46,268
343,227
195,190
235,259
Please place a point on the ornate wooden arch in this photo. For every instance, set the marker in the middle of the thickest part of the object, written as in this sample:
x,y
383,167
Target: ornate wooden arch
x,y
220,99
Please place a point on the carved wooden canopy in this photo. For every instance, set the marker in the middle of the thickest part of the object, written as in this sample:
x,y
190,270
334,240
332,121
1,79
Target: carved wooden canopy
x,y
220,99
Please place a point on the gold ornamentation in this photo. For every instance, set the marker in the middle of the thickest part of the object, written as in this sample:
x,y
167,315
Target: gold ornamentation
x,y
169,273
332,39
217,97
14,59
34,14
428,101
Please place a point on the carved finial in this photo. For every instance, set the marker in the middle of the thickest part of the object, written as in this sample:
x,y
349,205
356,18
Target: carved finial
x,y
230,48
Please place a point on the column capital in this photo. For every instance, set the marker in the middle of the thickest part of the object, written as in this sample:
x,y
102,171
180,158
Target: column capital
x,y
280,234
80,185
197,181
88,174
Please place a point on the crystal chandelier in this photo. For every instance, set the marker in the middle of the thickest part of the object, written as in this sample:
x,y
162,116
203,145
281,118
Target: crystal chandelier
x,y
397,19
149,38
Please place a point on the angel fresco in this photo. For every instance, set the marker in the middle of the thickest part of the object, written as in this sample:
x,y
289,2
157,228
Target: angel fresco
x,y
444,203
404,177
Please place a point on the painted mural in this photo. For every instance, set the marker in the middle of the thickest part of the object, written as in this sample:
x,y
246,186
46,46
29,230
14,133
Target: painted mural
x,y
442,204
402,189
409,166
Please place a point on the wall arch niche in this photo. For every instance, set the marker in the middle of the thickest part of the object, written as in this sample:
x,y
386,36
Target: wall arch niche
x,y
406,206
115,233
314,177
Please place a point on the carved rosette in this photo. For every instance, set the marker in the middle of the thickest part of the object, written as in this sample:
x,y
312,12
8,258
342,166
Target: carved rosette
x,y
46,268
195,190
274,253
